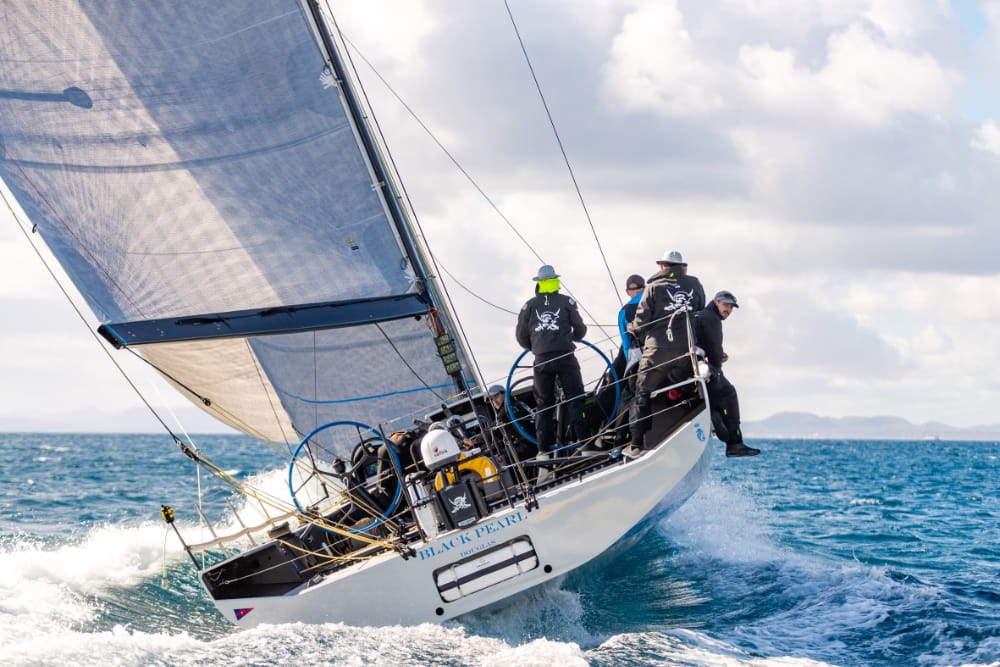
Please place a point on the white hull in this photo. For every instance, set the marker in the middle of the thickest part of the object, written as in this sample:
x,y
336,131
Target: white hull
x,y
573,523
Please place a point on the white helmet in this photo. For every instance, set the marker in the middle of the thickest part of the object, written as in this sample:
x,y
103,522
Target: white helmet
x,y
439,448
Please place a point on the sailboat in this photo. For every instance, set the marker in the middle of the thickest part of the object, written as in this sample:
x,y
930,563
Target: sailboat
x,y
209,179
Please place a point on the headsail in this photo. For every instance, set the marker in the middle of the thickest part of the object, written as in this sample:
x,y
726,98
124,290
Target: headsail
x,y
213,201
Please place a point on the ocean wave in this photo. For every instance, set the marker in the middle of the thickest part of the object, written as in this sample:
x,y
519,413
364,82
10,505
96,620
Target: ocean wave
x,y
767,564
782,597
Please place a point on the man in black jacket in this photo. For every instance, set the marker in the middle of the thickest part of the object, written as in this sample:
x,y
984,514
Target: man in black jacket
x,y
721,393
661,320
522,416
548,325
625,365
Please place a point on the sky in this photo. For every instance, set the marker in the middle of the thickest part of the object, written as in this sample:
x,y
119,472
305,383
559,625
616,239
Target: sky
x,y
834,163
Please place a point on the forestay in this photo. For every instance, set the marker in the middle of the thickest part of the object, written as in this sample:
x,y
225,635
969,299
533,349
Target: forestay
x,y
203,188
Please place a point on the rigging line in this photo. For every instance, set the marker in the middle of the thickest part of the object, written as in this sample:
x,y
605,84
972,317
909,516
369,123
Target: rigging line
x,y
405,362
453,160
207,402
394,170
264,385
562,149
448,154
315,370
399,181
276,503
83,319
477,370
459,283
81,246
358,399
498,307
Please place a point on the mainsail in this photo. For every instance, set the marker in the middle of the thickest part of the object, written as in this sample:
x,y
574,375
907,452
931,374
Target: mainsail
x,y
197,169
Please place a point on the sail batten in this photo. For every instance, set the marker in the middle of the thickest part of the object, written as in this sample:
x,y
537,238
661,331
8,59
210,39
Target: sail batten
x,y
275,320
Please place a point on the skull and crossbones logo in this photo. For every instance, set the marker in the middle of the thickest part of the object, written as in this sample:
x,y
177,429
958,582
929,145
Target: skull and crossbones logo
x,y
679,300
547,320
459,503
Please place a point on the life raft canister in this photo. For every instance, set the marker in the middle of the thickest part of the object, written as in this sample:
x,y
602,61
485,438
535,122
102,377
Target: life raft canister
x,y
479,465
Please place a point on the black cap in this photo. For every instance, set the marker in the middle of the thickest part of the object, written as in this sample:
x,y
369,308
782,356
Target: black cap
x,y
635,281
725,296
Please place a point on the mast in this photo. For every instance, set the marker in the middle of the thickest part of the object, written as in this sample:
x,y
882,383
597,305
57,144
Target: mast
x,y
400,217
236,226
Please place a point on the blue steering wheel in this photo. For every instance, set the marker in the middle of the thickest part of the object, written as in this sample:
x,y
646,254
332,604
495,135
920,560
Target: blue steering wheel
x,y
510,412
392,452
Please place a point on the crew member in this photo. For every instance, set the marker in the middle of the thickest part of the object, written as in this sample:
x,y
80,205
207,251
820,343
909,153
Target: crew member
x,y
721,393
522,415
631,348
548,325
625,364
661,320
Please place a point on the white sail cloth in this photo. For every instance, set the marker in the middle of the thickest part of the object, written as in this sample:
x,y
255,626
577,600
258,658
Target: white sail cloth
x,y
184,159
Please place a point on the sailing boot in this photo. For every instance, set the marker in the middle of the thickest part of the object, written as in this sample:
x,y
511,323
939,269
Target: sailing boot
x,y
739,449
544,474
633,452
637,448
601,443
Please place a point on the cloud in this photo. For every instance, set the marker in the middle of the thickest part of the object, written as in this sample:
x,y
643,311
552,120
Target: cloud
x,y
820,339
809,156
864,81
653,64
401,31
874,82
987,138
907,21
987,47
871,69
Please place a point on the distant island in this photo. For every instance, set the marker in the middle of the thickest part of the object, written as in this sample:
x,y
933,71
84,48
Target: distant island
x,y
807,425
782,425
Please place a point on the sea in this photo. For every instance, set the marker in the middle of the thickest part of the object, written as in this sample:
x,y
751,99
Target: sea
x,y
817,552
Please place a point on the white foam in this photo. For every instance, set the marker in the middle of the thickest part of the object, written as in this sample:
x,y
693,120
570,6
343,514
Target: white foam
x,y
44,587
39,581
48,587
271,485
687,647
48,593
724,521
108,555
54,646
544,611
290,644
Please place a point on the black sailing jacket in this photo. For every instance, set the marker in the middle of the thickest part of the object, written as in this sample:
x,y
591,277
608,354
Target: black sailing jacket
x,y
708,333
659,316
549,323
